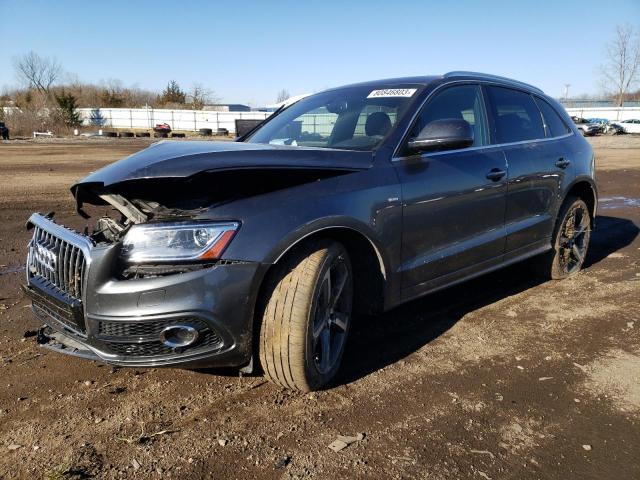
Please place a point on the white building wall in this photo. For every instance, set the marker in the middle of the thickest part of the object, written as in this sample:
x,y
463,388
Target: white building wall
x,y
610,113
147,118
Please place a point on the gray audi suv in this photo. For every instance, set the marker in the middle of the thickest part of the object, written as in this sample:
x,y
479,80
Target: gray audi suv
x,y
258,253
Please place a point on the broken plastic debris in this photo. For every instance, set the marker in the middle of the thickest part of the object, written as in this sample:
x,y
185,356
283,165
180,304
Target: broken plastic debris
x,y
342,442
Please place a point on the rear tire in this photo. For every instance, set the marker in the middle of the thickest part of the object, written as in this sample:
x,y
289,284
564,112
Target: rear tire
x,y
306,317
570,239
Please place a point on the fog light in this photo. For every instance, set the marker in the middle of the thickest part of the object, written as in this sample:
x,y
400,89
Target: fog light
x,y
179,336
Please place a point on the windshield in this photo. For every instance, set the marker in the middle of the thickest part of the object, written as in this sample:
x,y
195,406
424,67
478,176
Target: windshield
x,y
355,118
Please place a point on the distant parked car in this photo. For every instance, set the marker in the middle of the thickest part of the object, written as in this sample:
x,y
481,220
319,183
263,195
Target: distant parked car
x,y
587,129
630,126
613,128
601,122
606,126
4,131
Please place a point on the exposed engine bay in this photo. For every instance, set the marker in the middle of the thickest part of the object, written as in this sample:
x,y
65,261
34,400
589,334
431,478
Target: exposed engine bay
x,y
172,199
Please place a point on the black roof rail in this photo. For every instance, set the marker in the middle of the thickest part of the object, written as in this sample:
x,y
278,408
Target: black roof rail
x,y
486,76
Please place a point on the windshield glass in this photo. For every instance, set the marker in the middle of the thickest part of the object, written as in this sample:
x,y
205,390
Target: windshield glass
x,y
355,118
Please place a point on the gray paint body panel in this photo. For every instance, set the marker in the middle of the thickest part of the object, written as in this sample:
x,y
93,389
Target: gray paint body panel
x,y
434,220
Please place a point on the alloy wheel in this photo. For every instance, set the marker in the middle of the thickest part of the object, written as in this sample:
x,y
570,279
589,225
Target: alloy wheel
x,y
574,239
332,316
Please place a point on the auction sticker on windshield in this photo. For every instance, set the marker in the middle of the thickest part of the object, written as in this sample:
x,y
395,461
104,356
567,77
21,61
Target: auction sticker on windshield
x,y
392,92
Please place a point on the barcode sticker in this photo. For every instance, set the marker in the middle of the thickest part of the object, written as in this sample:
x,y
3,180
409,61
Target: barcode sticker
x,y
392,92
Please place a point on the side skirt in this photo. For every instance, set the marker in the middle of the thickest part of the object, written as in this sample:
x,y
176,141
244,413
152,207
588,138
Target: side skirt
x,y
473,271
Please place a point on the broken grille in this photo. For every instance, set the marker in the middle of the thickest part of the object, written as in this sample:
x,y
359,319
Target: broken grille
x,y
57,256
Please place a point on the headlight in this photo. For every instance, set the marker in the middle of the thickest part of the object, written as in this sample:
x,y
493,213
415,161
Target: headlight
x,y
165,242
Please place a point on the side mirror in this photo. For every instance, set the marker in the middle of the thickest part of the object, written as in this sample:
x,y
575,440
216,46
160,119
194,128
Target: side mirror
x,y
445,134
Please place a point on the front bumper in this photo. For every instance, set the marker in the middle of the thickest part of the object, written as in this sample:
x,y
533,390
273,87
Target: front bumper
x,y
119,320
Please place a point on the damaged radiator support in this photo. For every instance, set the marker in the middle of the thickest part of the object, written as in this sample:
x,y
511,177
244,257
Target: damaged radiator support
x,y
128,209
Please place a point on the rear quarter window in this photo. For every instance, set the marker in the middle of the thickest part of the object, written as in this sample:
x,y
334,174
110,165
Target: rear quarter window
x,y
555,125
516,117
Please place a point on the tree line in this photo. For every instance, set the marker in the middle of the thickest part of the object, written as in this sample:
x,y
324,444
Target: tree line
x,y
48,97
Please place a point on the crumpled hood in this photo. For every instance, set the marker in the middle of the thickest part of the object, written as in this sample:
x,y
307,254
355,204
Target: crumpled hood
x,y
177,159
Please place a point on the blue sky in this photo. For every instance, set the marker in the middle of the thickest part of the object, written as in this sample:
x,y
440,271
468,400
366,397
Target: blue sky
x,y
247,51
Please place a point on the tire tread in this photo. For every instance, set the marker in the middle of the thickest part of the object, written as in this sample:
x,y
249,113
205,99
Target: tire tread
x,y
285,316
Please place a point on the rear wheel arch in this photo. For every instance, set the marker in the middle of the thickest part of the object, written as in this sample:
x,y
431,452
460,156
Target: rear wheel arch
x,y
586,191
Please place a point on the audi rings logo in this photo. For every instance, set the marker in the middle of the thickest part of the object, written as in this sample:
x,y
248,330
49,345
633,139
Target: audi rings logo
x,y
46,256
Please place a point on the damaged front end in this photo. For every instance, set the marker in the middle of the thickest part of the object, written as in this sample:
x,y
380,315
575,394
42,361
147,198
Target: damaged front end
x,y
163,313
149,285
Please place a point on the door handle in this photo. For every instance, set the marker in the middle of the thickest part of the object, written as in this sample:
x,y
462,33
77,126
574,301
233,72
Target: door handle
x,y
562,162
496,174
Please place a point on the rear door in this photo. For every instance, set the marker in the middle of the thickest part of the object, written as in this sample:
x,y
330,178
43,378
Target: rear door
x,y
538,166
453,201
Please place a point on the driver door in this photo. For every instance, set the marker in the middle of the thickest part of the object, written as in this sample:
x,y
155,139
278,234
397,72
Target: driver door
x,y
453,201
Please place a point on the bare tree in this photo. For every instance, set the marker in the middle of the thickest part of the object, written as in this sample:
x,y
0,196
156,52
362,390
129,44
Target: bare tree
x,y
282,95
622,68
199,96
37,72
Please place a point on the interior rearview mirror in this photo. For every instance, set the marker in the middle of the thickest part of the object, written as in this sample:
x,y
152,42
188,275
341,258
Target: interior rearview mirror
x,y
444,134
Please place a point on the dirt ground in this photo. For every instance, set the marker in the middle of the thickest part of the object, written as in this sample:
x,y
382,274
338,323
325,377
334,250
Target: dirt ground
x,y
503,377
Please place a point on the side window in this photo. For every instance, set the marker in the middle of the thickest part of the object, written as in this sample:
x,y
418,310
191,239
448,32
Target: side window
x,y
459,102
555,125
515,115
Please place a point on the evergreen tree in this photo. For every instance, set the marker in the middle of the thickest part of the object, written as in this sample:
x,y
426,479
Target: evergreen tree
x,y
172,94
67,104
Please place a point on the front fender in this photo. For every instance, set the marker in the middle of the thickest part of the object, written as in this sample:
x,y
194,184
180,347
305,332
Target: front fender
x,y
326,224
366,202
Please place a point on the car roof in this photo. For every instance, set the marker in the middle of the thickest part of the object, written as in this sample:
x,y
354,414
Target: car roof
x,y
428,79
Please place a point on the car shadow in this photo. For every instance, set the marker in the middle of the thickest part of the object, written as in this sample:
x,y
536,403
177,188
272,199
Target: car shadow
x,y
378,341
610,235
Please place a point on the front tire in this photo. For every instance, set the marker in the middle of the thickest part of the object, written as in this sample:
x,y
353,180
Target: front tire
x,y
570,241
306,317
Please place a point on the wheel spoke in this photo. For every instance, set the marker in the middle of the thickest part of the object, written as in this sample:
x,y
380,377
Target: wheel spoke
x,y
325,349
577,254
583,227
326,290
319,326
340,320
341,281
